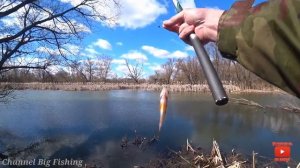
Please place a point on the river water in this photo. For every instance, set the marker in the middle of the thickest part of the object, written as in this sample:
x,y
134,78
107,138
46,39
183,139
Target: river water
x,y
89,126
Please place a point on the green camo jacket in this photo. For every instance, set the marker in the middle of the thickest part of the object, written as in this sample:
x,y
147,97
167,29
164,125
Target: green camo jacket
x,y
265,39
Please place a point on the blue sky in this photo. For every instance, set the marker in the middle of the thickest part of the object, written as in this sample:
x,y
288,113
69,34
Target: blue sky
x,y
138,36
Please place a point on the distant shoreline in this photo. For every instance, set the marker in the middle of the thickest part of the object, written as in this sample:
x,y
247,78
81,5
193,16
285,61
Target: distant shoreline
x,y
201,88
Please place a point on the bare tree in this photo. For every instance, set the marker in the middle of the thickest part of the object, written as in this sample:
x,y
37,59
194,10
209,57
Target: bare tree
x,y
5,93
44,29
77,71
188,70
90,69
62,76
191,69
135,71
104,65
156,77
169,68
35,34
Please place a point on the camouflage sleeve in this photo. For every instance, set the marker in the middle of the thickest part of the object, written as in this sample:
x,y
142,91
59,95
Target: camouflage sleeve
x,y
265,39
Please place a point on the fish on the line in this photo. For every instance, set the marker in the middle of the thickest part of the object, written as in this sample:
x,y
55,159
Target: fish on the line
x,y
163,107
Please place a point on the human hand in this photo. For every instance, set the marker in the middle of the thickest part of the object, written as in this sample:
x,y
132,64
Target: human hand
x,y
204,22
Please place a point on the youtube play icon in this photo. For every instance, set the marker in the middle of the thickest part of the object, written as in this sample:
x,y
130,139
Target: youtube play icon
x,y
282,151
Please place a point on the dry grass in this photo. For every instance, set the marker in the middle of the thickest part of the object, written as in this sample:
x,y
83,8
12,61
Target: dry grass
x,y
118,86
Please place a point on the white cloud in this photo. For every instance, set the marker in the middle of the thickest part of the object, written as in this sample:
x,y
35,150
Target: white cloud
x,y
6,5
67,49
65,27
119,43
188,3
155,67
3,35
28,60
108,10
56,68
130,13
135,55
94,60
137,14
161,53
178,54
73,2
189,48
73,49
104,44
118,61
91,50
122,68
48,50
11,21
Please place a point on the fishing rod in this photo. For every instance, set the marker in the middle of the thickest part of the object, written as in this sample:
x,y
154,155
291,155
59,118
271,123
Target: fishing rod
x,y
211,75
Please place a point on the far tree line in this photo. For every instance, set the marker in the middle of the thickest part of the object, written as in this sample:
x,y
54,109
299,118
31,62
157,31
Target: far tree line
x,y
173,71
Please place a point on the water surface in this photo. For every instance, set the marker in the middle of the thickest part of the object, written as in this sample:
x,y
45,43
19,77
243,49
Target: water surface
x,y
90,125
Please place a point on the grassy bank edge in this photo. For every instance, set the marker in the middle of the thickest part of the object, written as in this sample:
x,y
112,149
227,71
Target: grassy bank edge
x,y
202,88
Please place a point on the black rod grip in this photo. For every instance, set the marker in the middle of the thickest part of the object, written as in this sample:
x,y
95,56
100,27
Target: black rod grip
x,y
210,73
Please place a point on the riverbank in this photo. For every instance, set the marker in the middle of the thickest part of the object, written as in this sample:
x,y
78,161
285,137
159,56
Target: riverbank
x,y
190,157
203,88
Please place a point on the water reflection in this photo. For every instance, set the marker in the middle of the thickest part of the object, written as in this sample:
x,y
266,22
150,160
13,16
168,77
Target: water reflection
x,y
242,127
90,125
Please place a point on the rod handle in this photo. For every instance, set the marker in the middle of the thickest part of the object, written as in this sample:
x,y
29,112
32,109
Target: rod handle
x,y
210,73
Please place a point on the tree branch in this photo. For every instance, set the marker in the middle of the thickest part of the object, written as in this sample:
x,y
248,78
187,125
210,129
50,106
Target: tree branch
x,y
23,67
9,38
14,9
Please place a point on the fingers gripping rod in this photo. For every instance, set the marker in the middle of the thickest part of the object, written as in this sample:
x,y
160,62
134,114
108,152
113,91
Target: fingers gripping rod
x,y
211,75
